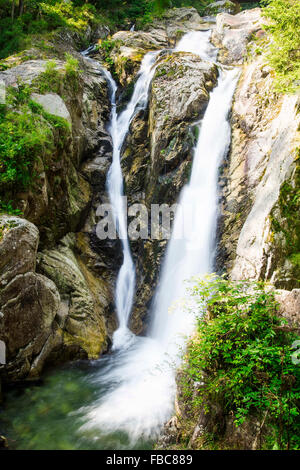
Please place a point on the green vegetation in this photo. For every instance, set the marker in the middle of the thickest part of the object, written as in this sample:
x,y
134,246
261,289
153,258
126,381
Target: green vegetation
x,y
56,80
284,56
27,132
7,208
242,355
107,45
22,21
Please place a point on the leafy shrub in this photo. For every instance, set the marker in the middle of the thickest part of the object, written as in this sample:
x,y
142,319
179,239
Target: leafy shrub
x,y
26,132
55,80
284,56
106,46
71,66
244,351
49,80
7,208
22,136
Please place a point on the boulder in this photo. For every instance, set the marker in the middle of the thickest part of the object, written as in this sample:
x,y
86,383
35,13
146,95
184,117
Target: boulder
x,y
29,301
29,304
84,298
18,246
141,40
175,22
179,96
53,104
129,48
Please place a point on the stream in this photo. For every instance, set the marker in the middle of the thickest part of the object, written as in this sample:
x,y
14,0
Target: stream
x,y
122,400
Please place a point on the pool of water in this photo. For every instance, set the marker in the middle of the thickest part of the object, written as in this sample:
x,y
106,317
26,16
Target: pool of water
x,y
51,415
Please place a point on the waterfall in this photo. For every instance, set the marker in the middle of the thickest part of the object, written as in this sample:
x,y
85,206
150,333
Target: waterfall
x,y
118,128
140,379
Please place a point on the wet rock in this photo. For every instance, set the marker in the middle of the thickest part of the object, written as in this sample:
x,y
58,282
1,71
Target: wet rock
x,y
156,161
179,96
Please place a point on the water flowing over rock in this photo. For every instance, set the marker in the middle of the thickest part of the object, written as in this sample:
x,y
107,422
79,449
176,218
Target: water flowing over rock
x,y
144,373
129,47
156,169
170,122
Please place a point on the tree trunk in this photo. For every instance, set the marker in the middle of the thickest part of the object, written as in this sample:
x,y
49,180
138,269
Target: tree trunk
x,y
13,9
21,7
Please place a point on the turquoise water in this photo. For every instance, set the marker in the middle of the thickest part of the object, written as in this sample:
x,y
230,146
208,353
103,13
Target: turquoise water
x,y
49,416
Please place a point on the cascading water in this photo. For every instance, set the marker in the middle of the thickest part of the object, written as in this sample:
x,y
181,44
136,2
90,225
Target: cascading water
x,y
118,128
141,379
129,394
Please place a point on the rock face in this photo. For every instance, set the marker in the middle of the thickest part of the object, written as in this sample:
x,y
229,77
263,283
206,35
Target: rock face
x,y
233,32
29,301
53,316
179,95
157,158
63,311
83,296
128,50
177,21
259,222
256,241
60,195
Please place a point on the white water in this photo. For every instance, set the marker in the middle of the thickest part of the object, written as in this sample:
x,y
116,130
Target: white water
x,y
118,128
198,42
141,378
